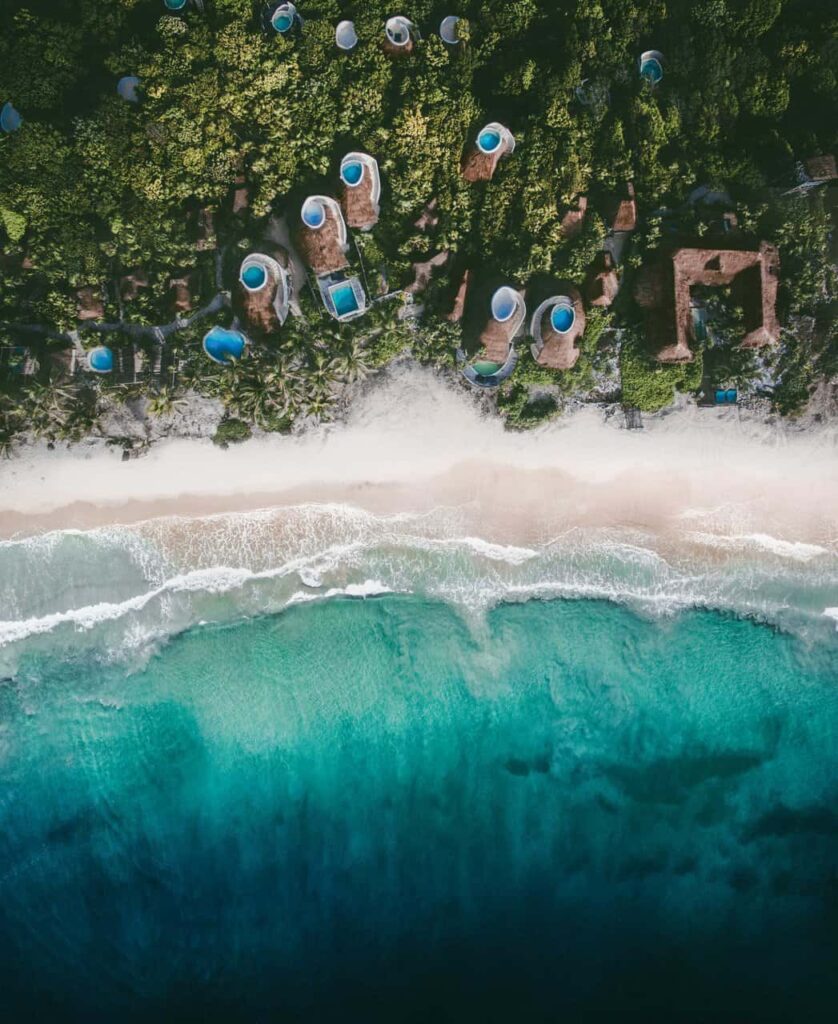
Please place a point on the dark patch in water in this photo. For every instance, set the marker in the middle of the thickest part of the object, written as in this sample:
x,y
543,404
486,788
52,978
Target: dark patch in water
x,y
784,821
519,766
669,780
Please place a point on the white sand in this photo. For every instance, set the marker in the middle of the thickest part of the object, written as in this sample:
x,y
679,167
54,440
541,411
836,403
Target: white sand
x,y
414,442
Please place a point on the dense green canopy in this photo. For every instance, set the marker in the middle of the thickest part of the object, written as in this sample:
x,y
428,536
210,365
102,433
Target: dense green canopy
x,y
92,186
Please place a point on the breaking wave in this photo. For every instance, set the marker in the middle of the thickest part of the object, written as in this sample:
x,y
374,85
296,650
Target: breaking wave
x,y
123,589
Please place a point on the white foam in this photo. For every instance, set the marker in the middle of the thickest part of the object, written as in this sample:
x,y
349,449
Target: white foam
x,y
797,550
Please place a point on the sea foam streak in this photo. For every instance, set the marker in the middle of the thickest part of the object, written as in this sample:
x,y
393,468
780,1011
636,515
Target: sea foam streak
x,y
122,588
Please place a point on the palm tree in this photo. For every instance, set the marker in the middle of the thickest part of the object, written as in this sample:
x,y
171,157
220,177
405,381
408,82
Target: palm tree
x,y
352,363
163,403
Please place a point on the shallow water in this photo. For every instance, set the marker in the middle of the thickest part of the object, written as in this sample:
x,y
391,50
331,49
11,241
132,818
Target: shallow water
x,y
417,806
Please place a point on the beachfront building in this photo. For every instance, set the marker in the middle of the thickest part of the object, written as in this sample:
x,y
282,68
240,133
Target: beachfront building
x,y
224,345
664,290
493,142
497,357
651,66
399,35
360,190
556,326
10,119
323,242
264,291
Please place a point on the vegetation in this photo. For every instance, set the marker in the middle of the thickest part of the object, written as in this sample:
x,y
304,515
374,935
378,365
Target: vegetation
x,y
94,189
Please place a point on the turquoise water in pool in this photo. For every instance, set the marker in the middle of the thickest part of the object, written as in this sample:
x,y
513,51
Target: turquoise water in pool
x,y
352,173
395,808
282,22
651,70
101,360
562,318
254,276
344,299
223,345
489,141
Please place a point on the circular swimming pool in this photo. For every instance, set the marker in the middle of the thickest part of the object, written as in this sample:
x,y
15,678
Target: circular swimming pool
x,y
352,172
488,140
100,359
174,5
313,214
562,318
10,119
253,276
504,302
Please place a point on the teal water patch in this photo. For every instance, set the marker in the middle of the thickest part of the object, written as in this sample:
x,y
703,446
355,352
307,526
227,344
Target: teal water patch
x,y
366,810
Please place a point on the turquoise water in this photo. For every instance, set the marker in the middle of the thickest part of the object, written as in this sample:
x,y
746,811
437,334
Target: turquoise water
x,y
101,359
313,215
254,276
223,345
230,792
489,141
282,22
344,300
651,70
352,173
562,318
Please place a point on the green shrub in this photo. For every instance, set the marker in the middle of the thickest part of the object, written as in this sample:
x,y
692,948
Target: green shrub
x,y
231,431
649,385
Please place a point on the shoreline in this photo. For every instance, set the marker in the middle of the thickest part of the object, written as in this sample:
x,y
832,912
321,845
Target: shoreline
x,y
412,443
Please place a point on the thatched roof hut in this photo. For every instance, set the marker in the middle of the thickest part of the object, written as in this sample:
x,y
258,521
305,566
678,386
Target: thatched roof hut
x,y
602,285
90,303
554,345
502,327
360,190
493,142
398,37
323,245
262,301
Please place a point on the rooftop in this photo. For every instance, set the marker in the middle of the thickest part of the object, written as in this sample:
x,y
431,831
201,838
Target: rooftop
x,y
323,247
556,325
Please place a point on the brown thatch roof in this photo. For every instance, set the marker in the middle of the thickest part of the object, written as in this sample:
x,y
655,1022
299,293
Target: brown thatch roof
x,y
602,285
457,310
359,210
480,166
754,274
241,195
821,168
257,307
496,337
321,247
429,217
397,51
423,272
622,211
182,291
90,304
132,284
559,351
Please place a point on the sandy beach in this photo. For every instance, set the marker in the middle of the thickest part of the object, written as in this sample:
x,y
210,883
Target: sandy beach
x,y
413,443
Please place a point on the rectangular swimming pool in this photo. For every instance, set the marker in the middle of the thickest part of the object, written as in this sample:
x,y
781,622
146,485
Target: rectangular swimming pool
x,y
343,296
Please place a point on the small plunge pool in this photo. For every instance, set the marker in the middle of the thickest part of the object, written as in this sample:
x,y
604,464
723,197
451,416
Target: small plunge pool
x,y
562,318
254,276
343,296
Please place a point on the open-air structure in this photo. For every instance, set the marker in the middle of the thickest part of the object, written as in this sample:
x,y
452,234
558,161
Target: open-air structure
x,y
493,142
264,292
323,243
360,190
497,358
664,290
556,325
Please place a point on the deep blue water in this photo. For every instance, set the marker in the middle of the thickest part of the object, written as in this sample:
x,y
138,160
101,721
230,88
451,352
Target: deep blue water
x,y
366,810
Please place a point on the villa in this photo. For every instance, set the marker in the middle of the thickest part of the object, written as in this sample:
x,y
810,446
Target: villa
x,y
323,243
556,325
360,190
664,290
264,291
322,238
498,357
493,142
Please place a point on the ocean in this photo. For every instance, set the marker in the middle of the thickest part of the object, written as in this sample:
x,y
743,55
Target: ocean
x,y
313,764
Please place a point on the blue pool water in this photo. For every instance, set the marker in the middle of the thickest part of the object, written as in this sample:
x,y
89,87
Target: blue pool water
x,y
254,276
344,299
10,119
651,70
282,22
175,5
224,346
100,359
352,172
489,141
503,306
314,215
562,318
